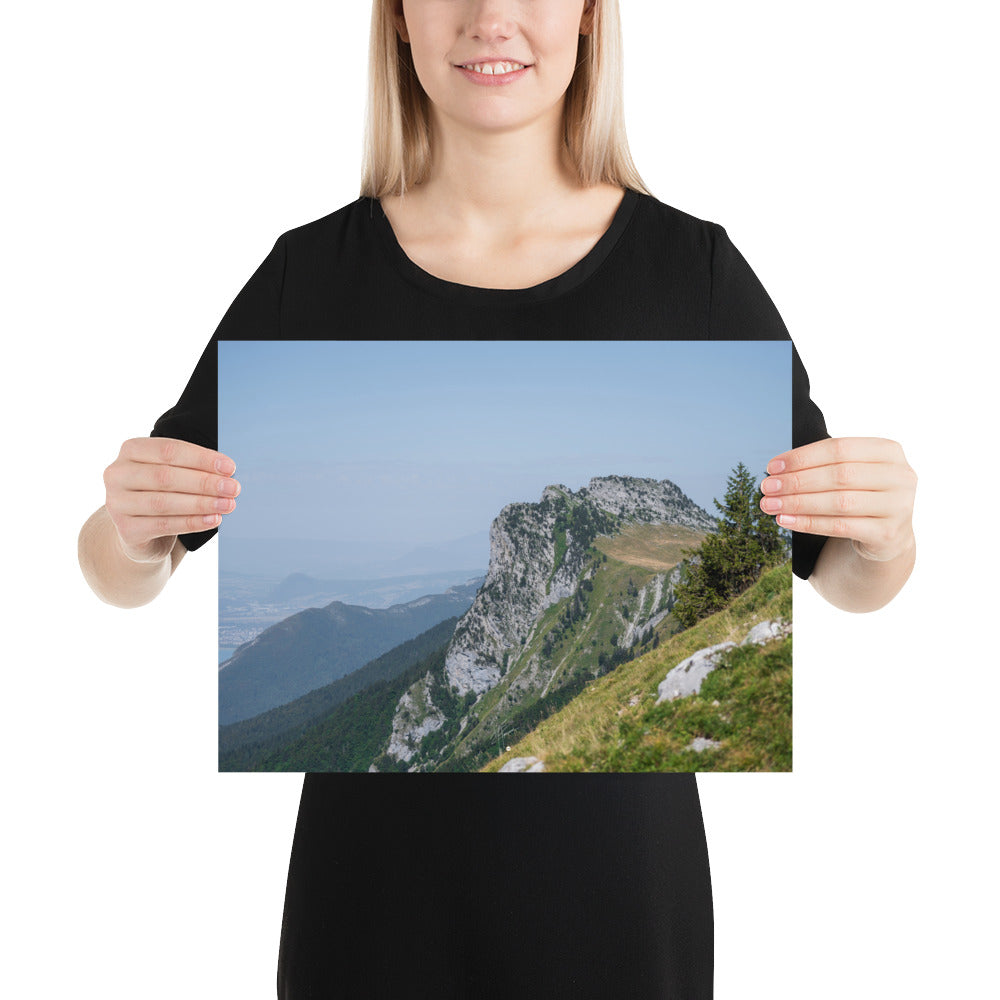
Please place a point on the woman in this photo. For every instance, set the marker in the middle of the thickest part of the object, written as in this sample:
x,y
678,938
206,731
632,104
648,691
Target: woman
x,y
500,205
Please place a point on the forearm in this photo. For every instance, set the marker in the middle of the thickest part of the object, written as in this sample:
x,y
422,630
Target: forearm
x,y
852,583
113,576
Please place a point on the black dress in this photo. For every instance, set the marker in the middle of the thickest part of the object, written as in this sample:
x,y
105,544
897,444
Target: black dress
x,y
580,886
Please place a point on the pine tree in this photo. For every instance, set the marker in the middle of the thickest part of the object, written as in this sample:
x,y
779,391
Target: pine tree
x,y
745,552
730,559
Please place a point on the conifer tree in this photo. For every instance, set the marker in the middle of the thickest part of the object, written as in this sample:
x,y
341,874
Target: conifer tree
x,y
737,527
730,559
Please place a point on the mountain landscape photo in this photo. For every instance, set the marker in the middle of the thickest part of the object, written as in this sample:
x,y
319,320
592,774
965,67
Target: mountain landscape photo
x,y
615,625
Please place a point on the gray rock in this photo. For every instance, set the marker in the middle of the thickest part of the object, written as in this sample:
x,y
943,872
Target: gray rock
x,y
638,627
764,632
685,679
518,764
700,743
415,716
646,500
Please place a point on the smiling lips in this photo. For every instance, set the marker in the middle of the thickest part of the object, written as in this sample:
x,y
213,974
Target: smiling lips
x,y
493,68
493,73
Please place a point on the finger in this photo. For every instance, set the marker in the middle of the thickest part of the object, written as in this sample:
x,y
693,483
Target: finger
x,y
159,504
842,503
844,476
881,538
866,530
832,451
174,452
142,477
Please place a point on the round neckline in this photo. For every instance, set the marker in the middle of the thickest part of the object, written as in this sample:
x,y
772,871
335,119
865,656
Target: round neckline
x,y
569,279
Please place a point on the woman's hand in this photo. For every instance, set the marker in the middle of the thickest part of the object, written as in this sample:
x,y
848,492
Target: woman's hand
x,y
854,488
159,488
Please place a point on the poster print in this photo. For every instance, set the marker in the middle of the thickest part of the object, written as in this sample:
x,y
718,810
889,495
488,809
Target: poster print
x,y
512,556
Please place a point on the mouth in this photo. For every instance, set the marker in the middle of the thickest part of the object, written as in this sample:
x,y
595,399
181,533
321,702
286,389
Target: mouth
x,y
493,74
493,67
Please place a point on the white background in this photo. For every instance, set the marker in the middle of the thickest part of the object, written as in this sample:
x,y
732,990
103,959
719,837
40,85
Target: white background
x,y
155,152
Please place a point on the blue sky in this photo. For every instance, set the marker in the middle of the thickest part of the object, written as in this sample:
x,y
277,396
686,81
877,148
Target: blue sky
x,y
424,441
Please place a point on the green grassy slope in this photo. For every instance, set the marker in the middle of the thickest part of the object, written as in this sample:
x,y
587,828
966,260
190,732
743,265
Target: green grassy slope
x,y
614,725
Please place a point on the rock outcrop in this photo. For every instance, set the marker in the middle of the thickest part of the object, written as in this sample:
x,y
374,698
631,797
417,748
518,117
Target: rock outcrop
x,y
537,552
764,632
416,716
685,679
522,765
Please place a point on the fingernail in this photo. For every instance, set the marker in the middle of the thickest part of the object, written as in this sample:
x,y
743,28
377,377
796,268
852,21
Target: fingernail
x,y
771,504
225,466
775,466
228,487
770,486
786,519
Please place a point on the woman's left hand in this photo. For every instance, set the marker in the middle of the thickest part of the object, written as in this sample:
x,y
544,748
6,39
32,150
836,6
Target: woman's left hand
x,y
859,488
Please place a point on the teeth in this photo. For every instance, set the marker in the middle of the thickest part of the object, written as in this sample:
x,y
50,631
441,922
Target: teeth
x,y
495,69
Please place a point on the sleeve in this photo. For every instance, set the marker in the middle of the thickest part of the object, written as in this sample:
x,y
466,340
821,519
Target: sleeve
x,y
741,309
255,314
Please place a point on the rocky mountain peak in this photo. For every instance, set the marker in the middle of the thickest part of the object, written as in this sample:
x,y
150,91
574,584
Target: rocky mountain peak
x,y
541,553
649,500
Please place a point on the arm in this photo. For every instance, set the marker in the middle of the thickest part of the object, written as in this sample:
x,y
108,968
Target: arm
x,y
853,583
115,577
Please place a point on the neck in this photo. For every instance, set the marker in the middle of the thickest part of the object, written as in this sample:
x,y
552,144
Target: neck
x,y
498,181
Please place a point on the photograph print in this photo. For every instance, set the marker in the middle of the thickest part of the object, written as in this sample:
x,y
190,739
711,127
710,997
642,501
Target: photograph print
x,y
504,556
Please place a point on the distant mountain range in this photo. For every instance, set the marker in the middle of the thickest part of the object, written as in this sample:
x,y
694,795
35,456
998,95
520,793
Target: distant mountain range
x,y
300,587
249,604
317,646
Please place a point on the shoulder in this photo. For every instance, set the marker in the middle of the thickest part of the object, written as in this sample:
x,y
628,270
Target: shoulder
x,y
666,230
333,227
671,247
338,243
672,220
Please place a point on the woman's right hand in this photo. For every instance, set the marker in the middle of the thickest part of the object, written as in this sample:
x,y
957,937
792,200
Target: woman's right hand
x,y
159,488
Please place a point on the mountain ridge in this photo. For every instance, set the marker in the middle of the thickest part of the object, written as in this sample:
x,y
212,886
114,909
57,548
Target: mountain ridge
x,y
542,557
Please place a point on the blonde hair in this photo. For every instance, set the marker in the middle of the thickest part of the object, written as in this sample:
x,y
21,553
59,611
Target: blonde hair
x,y
397,140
